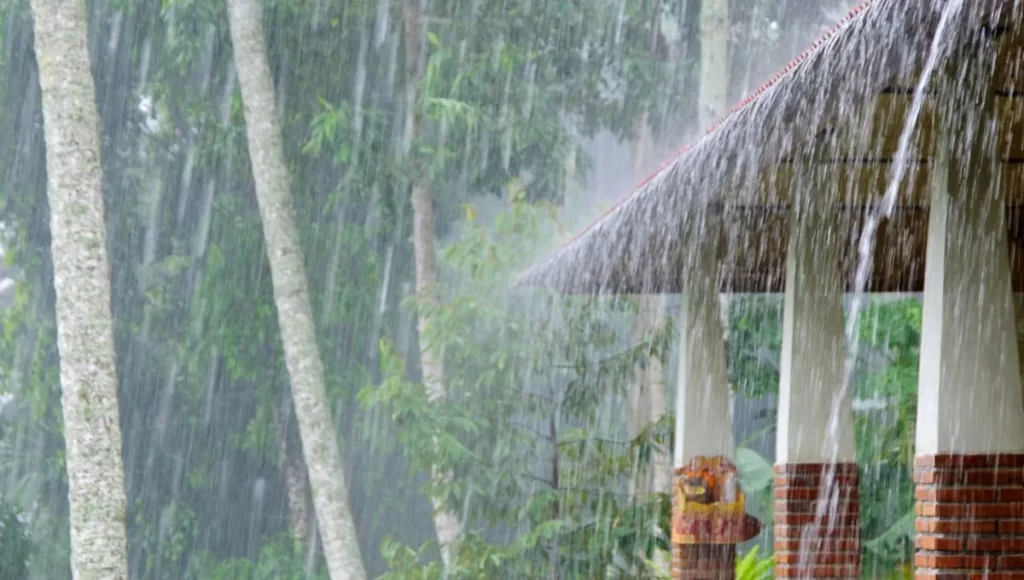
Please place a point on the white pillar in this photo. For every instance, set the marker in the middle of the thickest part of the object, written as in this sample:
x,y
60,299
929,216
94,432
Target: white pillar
x,y
703,423
969,394
815,411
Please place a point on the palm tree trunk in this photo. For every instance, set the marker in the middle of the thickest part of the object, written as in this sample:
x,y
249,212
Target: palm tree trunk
x,y
85,329
291,295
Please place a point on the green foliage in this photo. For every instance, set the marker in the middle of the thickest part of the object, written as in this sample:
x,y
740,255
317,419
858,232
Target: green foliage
x,y
516,428
755,340
752,567
279,559
895,544
15,546
756,472
890,335
757,478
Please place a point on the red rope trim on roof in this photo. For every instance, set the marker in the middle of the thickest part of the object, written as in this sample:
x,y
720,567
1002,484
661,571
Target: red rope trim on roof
x,y
735,109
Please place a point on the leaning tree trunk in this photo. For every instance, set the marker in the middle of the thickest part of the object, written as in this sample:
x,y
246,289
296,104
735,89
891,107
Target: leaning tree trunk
x,y
81,272
447,525
291,295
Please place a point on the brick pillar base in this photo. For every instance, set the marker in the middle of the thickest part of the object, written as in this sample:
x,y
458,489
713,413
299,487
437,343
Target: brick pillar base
x,y
808,545
970,516
704,562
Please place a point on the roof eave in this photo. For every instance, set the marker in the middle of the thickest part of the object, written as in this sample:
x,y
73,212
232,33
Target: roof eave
x,y
613,255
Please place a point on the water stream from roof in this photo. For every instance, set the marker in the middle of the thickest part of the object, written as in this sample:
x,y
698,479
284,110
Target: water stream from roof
x,y
884,210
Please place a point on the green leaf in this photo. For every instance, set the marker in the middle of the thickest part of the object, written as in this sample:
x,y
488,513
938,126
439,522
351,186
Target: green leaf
x,y
756,472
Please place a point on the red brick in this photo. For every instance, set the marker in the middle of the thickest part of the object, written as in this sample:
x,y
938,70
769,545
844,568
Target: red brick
x,y
834,551
956,494
996,510
815,557
1012,561
970,517
823,544
1010,476
933,509
793,531
815,468
992,544
976,477
954,526
1011,494
810,519
808,480
797,493
839,571
814,492
952,561
970,461
803,507
938,543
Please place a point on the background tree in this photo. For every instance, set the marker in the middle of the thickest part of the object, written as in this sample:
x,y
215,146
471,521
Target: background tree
x,y
291,296
446,522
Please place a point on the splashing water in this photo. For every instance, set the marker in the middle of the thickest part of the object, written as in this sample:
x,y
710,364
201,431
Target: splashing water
x,y
899,168
884,210
829,491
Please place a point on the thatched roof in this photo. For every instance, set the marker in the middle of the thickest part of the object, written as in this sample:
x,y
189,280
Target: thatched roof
x,y
829,122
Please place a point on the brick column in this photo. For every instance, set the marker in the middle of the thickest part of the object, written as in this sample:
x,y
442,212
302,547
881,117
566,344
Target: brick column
x,y
809,546
704,562
970,516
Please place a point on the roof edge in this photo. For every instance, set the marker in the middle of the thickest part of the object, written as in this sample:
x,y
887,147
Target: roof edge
x,y
858,11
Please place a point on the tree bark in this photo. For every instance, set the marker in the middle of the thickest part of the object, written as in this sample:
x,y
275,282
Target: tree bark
x,y
301,520
294,480
291,295
714,61
85,329
447,525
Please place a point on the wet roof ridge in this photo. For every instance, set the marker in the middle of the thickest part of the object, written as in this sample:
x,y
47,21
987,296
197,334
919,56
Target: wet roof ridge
x,y
857,11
